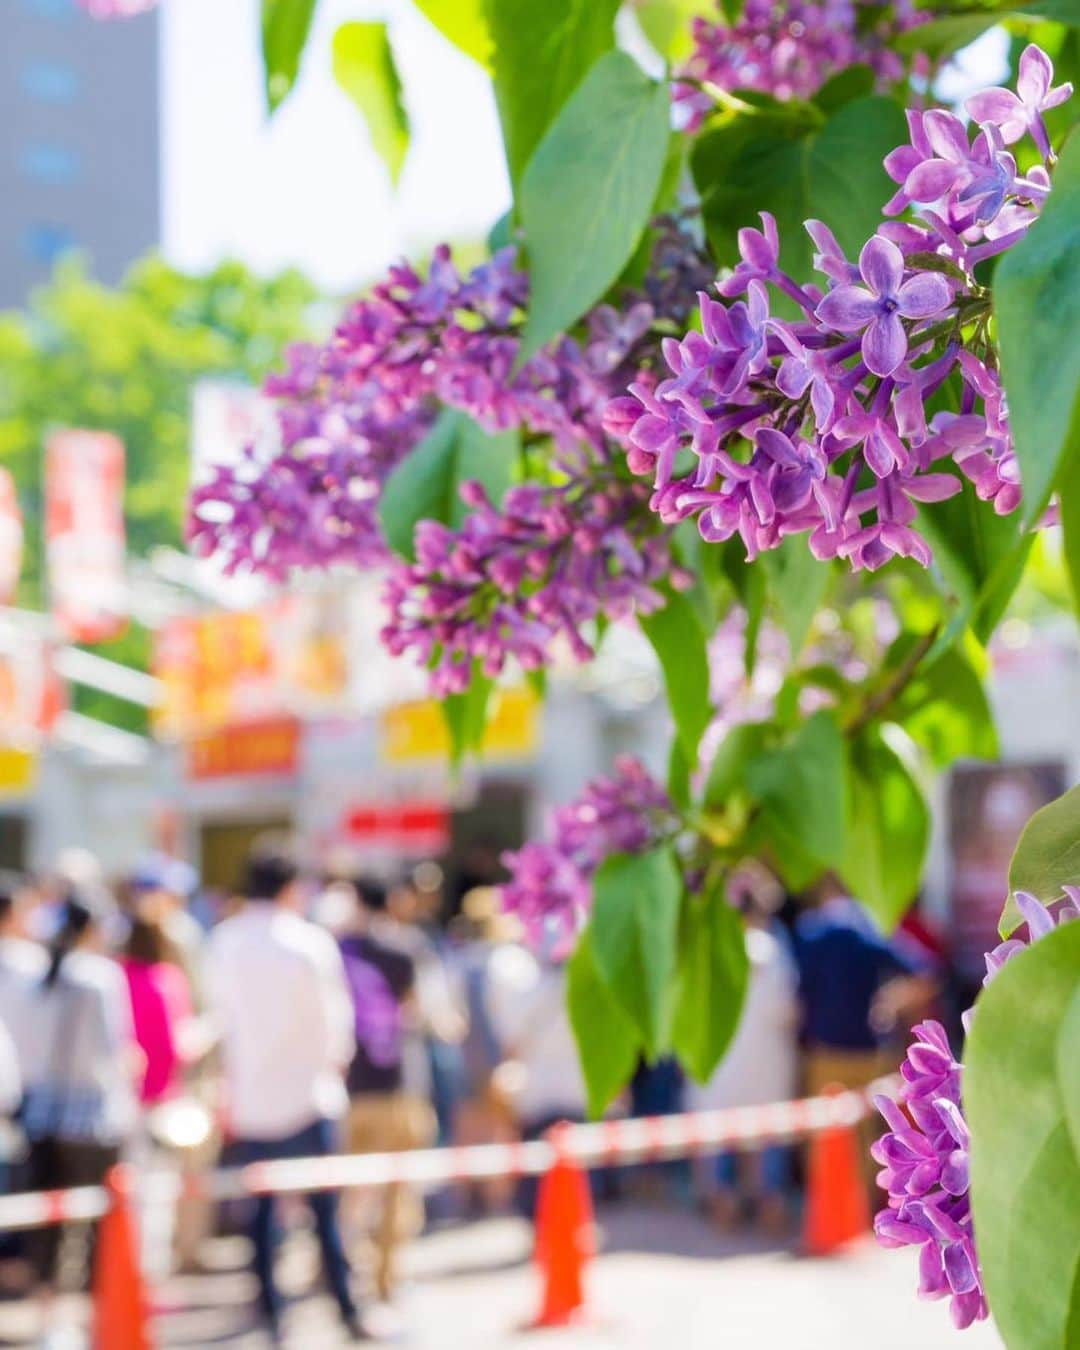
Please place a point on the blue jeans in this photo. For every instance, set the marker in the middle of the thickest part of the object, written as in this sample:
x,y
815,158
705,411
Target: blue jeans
x,y
316,1139
775,1169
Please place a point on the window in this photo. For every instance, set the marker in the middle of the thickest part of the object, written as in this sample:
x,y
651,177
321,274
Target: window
x,y
46,242
50,83
49,163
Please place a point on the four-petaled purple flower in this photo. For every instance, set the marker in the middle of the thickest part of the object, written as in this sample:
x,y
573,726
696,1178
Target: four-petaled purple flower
x,y
1020,113
876,309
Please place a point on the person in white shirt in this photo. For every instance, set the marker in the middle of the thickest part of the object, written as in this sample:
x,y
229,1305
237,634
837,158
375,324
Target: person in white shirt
x,y
276,985
78,1109
22,968
526,1001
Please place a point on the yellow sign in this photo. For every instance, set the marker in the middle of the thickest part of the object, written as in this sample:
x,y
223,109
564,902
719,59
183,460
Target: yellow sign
x,y
18,771
417,731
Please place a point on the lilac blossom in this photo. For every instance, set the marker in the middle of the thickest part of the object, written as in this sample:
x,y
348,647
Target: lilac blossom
x,y
789,49
924,1153
1020,113
550,886
516,578
876,308
513,581
763,426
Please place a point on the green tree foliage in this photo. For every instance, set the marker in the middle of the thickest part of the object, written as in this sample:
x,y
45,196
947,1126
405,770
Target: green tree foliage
x,y
125,360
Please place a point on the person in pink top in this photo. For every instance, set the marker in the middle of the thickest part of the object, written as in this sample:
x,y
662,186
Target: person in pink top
x,y
161,1008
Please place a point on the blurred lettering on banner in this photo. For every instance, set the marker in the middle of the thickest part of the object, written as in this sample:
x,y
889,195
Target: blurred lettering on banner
x,y
11,538
416,829
32,695
417,731
266,748
223,668
84,534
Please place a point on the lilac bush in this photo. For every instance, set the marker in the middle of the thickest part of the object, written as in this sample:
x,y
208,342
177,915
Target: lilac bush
x,y
830,425
924,1154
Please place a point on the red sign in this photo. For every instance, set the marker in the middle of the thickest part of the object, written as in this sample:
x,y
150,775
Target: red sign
x,y
268,748
11,538
32,695
410,828
84,534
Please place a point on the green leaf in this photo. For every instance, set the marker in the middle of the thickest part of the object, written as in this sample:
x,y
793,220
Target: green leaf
x,y
588,191
464,23
798,164
888,833
607,1040
541,53
710,983
944,709
1037,304
679,641
465,715
945,35
635,928
803,791
678,776
797,582
363,64
1060,11
1068,1058
1025,1171
1047,856
426,485
669,24
978,554
850,83
744,743
285,28
1069,502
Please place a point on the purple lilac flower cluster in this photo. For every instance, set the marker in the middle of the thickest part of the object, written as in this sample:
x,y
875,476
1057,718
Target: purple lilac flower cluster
x,y
555,555
552,556
825,425
516,577
788,48
550,886
924,1154
351,409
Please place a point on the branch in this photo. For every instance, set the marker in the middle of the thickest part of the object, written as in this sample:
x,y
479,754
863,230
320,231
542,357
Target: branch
x,y
891,690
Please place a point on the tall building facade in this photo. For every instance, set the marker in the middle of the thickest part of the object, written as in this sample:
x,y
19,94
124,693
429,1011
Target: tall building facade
x,y
79,141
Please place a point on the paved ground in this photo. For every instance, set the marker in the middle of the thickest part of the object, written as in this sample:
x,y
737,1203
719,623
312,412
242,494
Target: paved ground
x,y
664,1281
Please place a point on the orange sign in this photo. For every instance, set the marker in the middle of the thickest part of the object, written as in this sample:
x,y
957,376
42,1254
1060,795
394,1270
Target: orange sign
x,y
84,534
417,731
221,668
268,748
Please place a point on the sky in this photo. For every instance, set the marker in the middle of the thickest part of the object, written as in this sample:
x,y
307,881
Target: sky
x,y
305,187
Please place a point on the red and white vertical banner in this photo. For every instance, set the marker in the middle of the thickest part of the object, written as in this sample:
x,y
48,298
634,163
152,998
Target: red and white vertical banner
x,y
11,538
84,534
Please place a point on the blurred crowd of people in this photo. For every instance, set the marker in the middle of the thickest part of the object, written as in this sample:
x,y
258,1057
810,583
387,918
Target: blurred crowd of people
x,y
144,1021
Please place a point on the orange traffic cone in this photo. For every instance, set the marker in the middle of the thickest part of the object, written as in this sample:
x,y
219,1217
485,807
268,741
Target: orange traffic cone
x,y
837,1208
120,1317
564,1239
